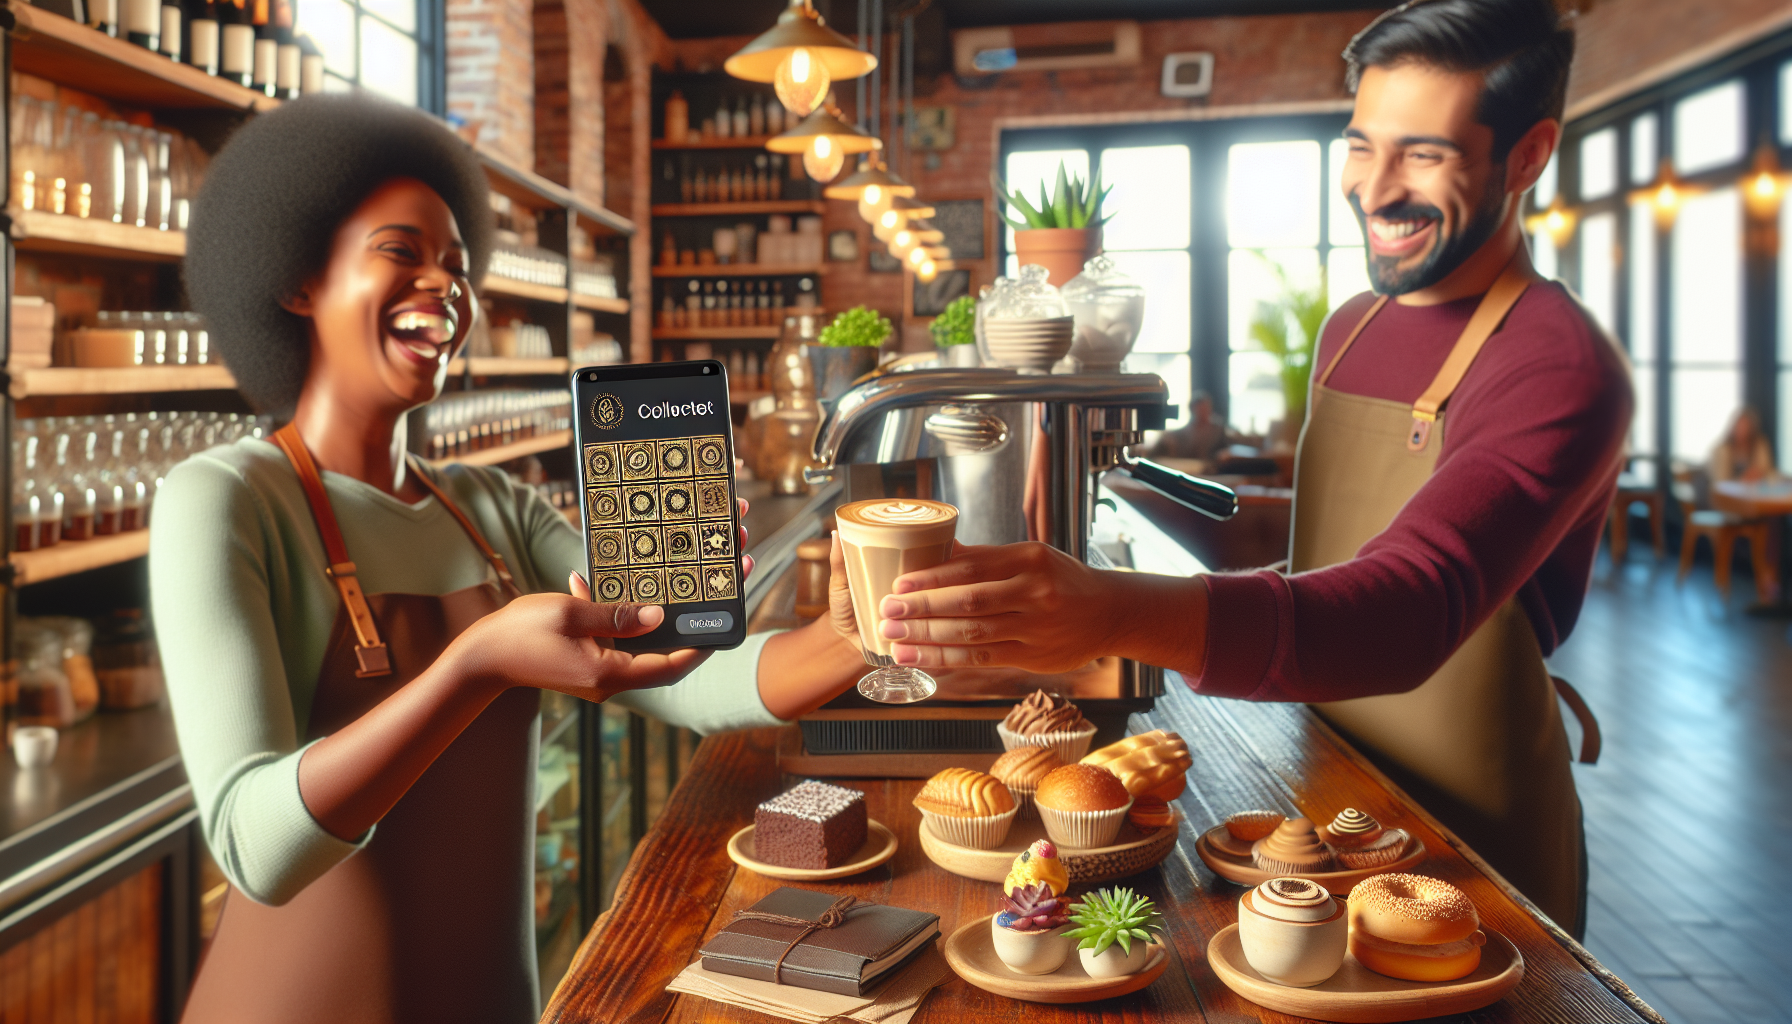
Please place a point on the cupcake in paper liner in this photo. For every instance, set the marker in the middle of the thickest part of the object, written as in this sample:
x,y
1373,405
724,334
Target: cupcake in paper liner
x,y
1021,768
1082,805
967,808
1047,720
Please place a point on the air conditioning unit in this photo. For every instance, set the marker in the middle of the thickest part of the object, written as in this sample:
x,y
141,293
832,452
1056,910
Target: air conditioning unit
x,y
1054,47
1188,74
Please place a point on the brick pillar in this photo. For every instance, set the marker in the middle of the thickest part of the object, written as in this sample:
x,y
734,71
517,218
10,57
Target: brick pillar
x,y
570,37
491,78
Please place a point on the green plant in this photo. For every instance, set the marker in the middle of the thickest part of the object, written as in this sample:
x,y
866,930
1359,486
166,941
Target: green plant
x,y
857,326
1032,908
1287,327
1114,915
956,325
1073,204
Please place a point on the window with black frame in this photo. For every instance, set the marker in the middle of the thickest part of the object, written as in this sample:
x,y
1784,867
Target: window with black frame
x,y
388,47
1667,215
1204,215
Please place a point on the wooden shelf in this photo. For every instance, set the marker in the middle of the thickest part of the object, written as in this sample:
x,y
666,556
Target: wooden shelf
x,y
53,47
713,333
739,270
752,206
538,193
492,366
744,397
600,303
515,450
75,556
53,232
743,142
497,285
128,380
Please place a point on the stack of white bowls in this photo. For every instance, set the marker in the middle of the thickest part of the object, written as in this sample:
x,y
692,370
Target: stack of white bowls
x,y
1029,343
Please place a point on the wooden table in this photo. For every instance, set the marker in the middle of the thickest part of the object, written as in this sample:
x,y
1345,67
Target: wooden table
x,y
680,887
1756,499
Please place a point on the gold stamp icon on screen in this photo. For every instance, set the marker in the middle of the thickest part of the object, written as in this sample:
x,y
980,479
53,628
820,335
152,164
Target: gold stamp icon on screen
x,y
638,460
675,457
681,542
607,547
677,501
644,545
712,498
603,505
715,540
710,454
682,585
647,586
642,504
600,464
609,586
718,582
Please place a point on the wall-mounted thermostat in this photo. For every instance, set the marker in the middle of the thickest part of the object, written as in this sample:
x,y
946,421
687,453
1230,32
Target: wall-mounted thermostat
x,y
1188,74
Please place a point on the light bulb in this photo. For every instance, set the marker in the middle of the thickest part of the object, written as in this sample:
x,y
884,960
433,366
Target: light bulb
x,y
801,81
1766,186
892,219
1667,197
903,240
928,270
1554,222
882,233
916,256
873,196
823,159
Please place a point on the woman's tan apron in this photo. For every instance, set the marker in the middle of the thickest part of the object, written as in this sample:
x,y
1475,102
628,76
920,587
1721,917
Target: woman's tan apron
x,y
431,920
1480,744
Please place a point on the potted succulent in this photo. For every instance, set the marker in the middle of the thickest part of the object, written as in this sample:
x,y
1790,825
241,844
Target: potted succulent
x,y
955,332
1115,928
846,350
1029,932
1287,327
1064,230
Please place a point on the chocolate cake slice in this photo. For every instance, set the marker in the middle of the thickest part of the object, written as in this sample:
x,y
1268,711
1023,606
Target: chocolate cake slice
x,y
812,825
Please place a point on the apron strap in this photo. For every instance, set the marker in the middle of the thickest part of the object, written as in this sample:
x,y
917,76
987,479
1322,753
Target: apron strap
x,y
492,556
1487,318
1374,308
1590,739
370,652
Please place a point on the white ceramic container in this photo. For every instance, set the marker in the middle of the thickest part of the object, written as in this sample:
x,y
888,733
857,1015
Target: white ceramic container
x,y
1031,952
1115,962
1296,953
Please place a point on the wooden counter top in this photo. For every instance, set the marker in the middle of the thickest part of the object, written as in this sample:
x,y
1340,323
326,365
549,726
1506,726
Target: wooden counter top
x,y
680,886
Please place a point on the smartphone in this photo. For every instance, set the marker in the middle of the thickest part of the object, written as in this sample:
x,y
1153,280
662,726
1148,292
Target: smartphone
x,y
656,463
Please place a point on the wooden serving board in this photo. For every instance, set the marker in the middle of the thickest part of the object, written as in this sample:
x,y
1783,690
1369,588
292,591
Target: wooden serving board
x,y
1133,851
971,952
1357,995
880,846
1338,883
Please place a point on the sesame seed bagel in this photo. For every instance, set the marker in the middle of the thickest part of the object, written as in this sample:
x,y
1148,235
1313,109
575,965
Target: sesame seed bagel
x,y
1412,909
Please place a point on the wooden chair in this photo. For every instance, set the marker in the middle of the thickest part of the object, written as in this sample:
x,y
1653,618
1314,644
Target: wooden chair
x,y
1723,529
1637,489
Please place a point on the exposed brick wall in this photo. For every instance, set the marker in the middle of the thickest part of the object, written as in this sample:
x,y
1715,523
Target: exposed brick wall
x,y
570,38
491,80
1623,46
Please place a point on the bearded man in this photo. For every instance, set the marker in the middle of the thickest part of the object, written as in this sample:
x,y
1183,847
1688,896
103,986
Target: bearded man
x,y
1466,427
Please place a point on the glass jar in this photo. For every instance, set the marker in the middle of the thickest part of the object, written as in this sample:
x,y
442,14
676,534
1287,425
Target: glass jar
x,y
45,697
1108,308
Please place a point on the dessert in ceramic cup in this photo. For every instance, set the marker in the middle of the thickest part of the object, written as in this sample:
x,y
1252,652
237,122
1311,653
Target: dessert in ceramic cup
x,y
1029,932
1114,931
1293,931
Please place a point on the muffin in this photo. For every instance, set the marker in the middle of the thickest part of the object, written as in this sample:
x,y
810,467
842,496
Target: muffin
x,y
1021,769
1046,720
1294,848
967,808
1243,829
1359,841
1082,805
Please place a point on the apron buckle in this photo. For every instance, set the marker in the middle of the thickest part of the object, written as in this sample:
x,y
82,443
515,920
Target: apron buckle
x,y
373,661
1420,436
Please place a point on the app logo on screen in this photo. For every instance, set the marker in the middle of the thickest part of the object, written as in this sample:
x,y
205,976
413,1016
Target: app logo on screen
x,y
606,412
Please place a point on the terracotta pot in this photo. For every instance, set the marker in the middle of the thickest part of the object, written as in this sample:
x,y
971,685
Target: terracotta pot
x,y
1061,251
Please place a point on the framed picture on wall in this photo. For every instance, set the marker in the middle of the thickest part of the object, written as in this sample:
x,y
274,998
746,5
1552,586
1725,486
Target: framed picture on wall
x,y
881,262
962,221
843,246
930,298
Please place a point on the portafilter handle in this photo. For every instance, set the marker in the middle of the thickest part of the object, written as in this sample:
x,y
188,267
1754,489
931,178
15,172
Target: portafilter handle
x,y
1213,500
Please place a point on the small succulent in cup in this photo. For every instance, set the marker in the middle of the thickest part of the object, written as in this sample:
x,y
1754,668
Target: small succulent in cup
x,y
1033,908
857,326
1113,916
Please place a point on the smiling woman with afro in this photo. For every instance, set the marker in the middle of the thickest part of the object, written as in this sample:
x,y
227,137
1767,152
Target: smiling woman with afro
x,y
354,641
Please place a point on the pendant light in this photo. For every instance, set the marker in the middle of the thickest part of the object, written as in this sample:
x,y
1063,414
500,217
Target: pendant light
x,y
871,173
902,211
825,141
801,57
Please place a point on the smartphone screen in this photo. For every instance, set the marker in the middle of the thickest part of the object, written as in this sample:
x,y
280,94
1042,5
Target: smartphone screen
x,y
656,448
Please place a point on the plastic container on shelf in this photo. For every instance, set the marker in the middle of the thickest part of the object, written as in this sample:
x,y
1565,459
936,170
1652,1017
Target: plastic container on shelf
x,y
45,696
1108,308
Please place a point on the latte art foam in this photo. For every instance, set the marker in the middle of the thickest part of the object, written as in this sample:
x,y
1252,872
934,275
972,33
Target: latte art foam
x,y
899,513
1293,899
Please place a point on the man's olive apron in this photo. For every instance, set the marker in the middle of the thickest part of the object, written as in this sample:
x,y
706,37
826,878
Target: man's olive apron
x,y
1480,744
431,920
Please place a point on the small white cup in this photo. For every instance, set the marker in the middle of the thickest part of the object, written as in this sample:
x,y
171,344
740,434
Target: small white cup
x,y
1296,953
34,746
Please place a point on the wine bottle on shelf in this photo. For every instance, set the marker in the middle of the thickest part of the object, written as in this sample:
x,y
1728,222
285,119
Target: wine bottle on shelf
x,y
724,119
288,57
756,116
774,118
143,23
202,35
236,49
742,120
267,48
678,118
172,17
311,66
103,15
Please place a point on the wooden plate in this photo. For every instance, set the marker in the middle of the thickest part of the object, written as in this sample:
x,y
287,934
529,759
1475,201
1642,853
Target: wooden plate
x,y
1338,883
972,953
880,846
1357,994
1133,851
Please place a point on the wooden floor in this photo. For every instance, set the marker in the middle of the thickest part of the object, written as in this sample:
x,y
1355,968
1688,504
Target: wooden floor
x,y
1689,811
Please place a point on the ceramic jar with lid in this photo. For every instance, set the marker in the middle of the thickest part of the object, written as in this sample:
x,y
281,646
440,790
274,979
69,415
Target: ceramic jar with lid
x,y
1108,308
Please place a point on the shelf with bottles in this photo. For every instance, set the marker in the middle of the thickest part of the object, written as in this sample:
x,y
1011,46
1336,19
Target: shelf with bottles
x,y
132,380
538,193
51,46
113,352
730,304
730,176
780,246
497,366
715,142
814,206
692,111
716,333
742,270
486,427
525,290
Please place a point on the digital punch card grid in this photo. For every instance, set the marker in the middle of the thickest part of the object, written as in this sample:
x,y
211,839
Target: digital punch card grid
x,y
662,531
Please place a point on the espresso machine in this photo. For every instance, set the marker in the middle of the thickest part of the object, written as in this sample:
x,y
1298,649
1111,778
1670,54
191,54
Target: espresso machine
x,y
968,437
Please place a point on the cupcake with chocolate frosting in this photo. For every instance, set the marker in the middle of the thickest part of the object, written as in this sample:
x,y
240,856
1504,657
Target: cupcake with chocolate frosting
x,y
1359,841
1294,848
1047,720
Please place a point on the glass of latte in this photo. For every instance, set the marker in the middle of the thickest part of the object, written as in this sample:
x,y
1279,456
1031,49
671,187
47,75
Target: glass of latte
x,y
881,540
